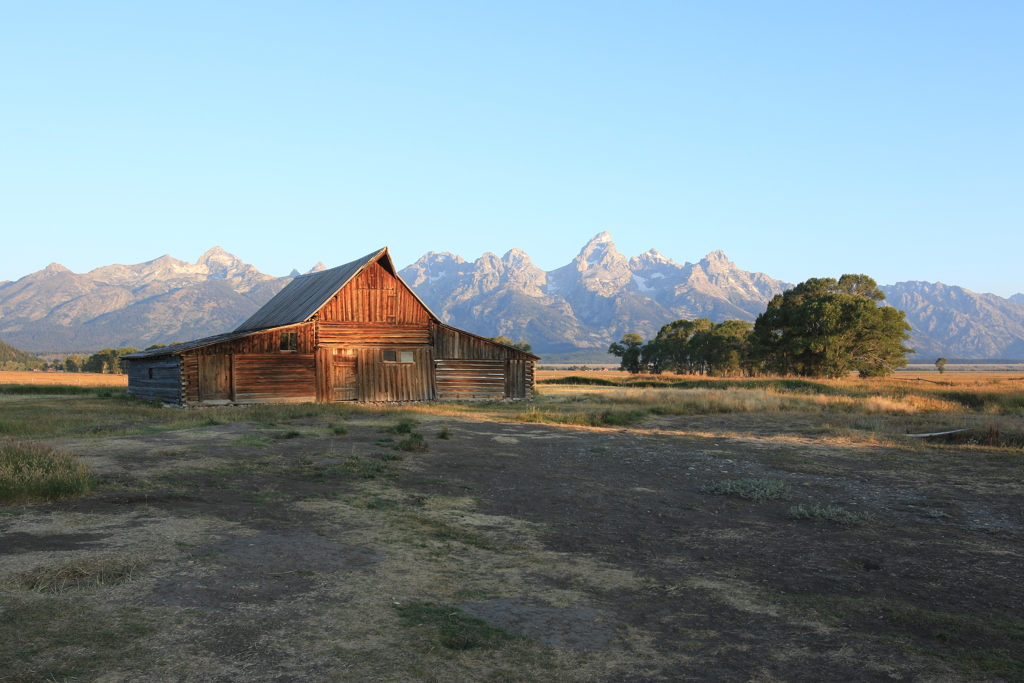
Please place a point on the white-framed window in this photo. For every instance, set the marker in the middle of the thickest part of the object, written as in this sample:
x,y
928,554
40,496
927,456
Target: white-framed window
x,y
398,357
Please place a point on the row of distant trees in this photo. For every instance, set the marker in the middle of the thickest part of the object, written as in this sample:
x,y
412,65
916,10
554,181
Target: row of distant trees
x,y
821,328
107,361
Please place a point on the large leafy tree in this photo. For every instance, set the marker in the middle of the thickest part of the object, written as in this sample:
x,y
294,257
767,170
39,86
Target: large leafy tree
x,y
826,328
699,347
629,349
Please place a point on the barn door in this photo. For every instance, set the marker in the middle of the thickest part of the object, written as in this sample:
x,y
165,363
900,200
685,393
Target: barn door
x,y
345,381
215,378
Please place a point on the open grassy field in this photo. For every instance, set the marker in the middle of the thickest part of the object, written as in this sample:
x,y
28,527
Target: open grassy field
x,y
79,379
682,529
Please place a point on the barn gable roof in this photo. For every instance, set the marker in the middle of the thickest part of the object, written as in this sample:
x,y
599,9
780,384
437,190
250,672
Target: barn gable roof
x,y
300,299
307,294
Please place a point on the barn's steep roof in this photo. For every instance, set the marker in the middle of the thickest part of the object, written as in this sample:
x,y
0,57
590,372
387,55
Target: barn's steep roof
x,y
306,294
301,298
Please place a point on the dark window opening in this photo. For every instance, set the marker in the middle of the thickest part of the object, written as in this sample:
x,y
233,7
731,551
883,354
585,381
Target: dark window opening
x,y
289,341
398,357
151,373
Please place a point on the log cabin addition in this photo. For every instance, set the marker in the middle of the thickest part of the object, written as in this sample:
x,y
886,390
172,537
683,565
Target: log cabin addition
x,y
352,333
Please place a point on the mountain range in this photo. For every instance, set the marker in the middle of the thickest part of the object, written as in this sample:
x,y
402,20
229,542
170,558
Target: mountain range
x,y
578,308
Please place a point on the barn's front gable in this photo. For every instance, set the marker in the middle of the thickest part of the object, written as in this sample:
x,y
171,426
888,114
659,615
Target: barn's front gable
x,y
352,333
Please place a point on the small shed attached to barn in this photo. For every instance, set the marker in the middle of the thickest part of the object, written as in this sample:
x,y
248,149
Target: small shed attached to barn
x,y
352,333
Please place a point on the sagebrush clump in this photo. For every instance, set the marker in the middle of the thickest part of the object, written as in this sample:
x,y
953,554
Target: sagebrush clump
x,y
31,472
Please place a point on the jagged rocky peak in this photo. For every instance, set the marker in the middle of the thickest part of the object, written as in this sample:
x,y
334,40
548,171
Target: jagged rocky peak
x,y
295,273
716,260
517,258
317,268
431,267
651,258
217,259
1018,298
600,252
56,268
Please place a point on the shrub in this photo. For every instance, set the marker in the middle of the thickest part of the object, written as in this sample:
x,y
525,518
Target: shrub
x,y
35,472
339,430
415,443
445,433
455,629
830,513
403,426
753,489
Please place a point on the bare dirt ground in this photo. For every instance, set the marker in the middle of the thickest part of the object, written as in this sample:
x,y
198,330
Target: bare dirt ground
x,y
286,552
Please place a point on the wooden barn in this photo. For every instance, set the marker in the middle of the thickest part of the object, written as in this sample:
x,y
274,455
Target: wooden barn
x,y
352,333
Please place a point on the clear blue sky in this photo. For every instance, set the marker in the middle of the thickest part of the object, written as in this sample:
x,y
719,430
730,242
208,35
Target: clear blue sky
x,y
803,138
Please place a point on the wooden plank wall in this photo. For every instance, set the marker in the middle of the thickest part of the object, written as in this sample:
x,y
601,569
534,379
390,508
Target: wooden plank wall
x,y
374,296
274,377
380,381
264,342
371,334
519,378
469,379
164,385
453,343
190,378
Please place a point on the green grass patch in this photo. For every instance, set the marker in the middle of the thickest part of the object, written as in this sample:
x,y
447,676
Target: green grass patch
x,y
414,444
978,646
445,433
830,514
53,638
753,489
252,441
338,430
614,417
404,426
32,471
452,628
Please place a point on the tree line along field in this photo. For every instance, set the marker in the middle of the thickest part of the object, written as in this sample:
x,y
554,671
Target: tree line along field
x,y
618,527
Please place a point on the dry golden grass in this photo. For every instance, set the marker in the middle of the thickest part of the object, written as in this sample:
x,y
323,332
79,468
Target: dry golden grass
x,y
78,379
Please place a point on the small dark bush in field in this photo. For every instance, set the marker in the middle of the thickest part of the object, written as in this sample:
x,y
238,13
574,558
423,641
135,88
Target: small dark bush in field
x,y
387,457
339,430
753,489
455,629
831,514
622,418
414,444
403,426
445,433
290,434
33,471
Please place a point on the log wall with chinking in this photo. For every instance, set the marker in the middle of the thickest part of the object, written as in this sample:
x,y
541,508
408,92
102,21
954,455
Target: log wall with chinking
x,y
157,378
374,295
273,378
469,379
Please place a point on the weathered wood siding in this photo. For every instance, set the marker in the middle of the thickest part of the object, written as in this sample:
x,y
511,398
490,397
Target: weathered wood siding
x,y
387,381
519,378
274,377
374,296
469,379
453,343
372,334
157,378
265,342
